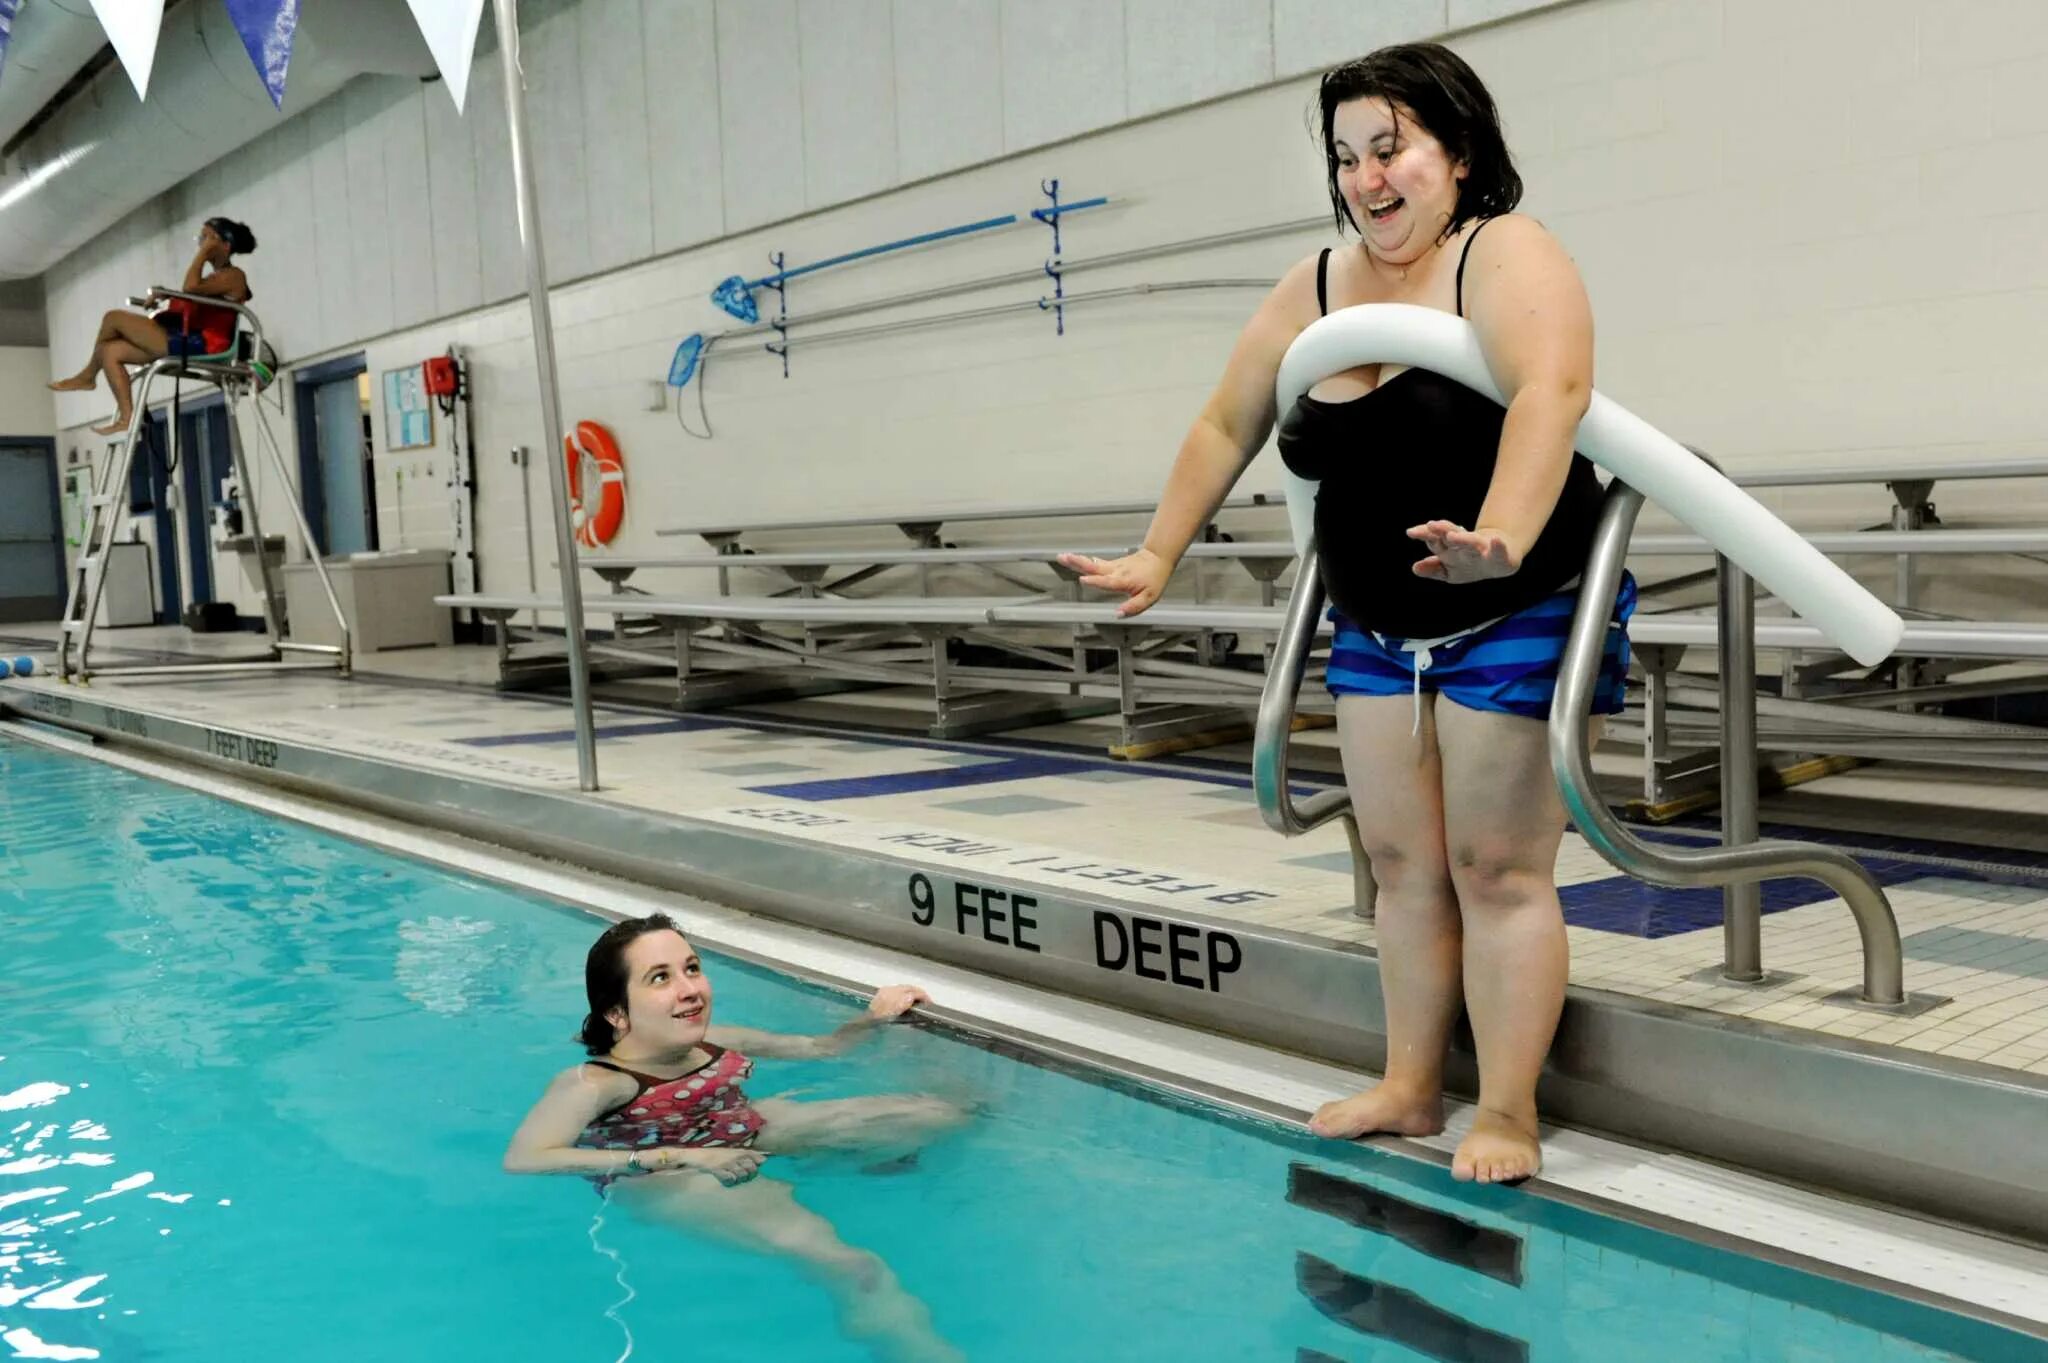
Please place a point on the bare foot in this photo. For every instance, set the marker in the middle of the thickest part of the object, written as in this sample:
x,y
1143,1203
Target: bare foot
x,y
1498,1149
118,426
75,384
1393,1108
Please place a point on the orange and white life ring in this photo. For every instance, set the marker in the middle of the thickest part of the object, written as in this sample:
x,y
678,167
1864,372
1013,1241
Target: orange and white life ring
x,y
595,525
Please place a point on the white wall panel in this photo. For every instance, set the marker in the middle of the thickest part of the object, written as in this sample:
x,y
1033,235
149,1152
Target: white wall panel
x,y
1184,51
368,207
1063,69
616,129
1468,13
333,220
554,118
849,99
497,202
452,203
683,139
949,85
413,293
1311,35
287,292
760,110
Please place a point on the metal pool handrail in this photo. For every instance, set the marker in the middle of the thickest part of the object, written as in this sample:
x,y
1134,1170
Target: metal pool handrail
x,y
1571,762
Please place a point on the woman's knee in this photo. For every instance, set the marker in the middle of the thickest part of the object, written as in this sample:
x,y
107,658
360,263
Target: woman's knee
x,y
1494,871
1408,881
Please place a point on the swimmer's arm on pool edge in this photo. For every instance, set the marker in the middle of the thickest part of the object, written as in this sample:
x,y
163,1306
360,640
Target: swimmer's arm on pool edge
x,y
890,1002
545,1142
1225,438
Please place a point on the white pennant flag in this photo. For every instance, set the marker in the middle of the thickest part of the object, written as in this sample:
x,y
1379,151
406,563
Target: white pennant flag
x,y
449,26
131,27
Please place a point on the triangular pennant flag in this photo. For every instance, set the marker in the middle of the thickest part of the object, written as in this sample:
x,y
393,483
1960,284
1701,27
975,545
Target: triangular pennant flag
x,y
266,27
450,26
131,27
7,9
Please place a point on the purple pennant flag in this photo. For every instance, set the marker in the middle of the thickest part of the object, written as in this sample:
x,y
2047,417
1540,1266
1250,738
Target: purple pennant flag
x,y
7,9
266,27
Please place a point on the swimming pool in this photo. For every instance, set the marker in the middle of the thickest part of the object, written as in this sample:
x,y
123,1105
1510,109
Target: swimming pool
x,y
255,1082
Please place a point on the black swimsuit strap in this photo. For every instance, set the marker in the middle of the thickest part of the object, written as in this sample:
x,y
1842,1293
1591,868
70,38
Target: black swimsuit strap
x,y
1472,237
1323,272
648,1081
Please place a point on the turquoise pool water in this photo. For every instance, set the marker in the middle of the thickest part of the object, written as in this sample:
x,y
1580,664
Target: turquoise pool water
x,y
255,1082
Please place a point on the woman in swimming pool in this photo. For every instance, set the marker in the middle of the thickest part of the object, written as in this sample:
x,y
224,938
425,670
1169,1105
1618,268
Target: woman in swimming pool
x,y
661,1097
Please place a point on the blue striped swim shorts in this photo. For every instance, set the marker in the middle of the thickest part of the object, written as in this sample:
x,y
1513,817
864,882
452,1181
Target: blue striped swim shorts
x,y
1509,664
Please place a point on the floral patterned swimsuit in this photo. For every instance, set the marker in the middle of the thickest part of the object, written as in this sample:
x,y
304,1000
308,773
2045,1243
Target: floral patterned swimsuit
x,y
703,1109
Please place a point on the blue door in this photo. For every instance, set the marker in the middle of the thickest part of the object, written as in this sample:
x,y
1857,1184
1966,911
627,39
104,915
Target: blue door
x,y
31,534
203,465
339,432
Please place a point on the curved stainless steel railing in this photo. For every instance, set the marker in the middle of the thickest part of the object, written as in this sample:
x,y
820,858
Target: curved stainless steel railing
x,y
1276,724
1571,761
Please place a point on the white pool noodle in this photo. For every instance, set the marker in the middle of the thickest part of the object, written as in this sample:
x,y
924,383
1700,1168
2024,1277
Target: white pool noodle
x,y
1617,440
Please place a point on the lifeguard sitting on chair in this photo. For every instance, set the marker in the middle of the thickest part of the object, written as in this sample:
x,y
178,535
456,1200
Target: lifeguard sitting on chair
x,y
179,328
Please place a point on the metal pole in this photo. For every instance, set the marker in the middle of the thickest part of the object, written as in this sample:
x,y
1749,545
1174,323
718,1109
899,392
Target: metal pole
x,y
297,504
507,12
1742,920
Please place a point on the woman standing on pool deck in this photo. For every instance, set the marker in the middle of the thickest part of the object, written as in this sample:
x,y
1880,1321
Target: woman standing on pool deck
x,y
659,1120
1452,532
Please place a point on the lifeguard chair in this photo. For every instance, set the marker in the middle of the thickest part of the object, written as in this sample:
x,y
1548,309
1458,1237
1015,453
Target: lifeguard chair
x,y
241,371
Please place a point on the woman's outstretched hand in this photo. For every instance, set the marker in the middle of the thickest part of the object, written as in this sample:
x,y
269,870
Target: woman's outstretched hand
x,y
894,1000
1460,555
1141,577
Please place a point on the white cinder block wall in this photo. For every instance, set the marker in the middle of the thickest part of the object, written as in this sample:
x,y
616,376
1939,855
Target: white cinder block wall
x,y
1810,229
25,406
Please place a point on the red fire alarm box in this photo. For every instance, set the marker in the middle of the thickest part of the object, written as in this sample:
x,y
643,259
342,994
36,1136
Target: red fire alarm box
x,y
443,379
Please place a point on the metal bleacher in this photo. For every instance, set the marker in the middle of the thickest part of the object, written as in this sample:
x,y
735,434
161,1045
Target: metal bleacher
x,y
1188,672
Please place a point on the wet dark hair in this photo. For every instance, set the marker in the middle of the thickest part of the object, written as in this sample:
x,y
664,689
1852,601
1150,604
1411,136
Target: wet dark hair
x,y
604,976
237,235
1448,99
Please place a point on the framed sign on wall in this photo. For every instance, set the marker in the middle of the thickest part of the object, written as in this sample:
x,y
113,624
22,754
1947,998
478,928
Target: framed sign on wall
x,y
408,411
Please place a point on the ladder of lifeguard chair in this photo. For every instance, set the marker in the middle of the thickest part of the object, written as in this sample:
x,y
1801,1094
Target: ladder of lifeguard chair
x,y
273,597
89,570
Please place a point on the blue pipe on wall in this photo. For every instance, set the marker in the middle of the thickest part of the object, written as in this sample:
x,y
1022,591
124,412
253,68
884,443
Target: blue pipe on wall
x,y
736,295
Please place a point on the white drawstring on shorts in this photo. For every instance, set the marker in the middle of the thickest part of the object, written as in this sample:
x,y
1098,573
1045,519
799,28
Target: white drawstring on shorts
x,y
1420,651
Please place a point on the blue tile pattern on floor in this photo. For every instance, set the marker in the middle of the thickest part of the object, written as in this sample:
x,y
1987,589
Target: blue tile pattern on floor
x,y
688,725
2005,952
1632,907
927,778
2017,867
758,768
1009,804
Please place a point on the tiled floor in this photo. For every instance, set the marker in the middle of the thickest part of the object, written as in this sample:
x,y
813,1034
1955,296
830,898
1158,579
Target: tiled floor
x,y
1185,836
